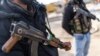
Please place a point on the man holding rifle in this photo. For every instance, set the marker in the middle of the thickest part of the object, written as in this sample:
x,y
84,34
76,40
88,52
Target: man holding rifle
x,y
32,13
77,22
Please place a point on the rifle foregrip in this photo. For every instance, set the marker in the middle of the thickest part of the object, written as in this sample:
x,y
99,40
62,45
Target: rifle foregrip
x,y
10,44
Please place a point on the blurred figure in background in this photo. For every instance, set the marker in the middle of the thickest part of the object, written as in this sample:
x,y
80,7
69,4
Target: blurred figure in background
x,y
79,27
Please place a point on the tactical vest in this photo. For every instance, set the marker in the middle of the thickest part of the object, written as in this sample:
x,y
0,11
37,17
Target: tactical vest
x,y
80,23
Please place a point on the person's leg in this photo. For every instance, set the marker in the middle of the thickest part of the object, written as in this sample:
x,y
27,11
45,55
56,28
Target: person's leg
x,y
79,44
87,44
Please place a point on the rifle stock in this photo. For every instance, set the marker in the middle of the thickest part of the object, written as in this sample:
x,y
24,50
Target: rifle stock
x,y
7,47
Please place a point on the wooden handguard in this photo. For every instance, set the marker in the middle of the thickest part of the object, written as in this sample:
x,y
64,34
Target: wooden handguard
x,y
55,42
7,47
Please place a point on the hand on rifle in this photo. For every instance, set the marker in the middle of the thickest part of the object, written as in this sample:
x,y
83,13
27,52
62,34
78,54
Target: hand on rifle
x,y
67,45
55,42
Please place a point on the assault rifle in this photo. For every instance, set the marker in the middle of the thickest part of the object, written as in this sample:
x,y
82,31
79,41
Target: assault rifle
x,y
21,29
80,11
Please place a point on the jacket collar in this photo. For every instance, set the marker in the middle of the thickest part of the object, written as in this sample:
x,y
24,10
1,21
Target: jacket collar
x,y
16,8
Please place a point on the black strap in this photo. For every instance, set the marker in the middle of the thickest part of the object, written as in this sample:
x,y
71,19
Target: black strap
x,y
49,28
50,31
